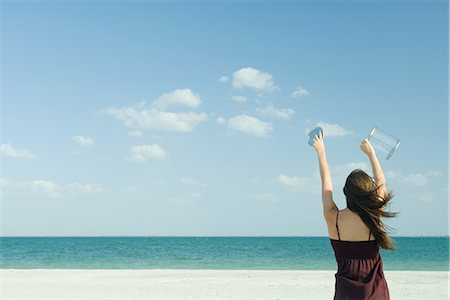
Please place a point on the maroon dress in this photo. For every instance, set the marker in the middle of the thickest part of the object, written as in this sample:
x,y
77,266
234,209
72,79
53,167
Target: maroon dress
x,y
360,270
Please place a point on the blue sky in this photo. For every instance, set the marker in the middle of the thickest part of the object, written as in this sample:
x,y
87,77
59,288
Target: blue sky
x,y
189,118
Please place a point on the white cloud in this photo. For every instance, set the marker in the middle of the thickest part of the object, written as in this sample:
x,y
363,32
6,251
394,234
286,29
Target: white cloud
x,y
255,79
417,179
427,198
42,187
84,188
283,113
223,79
292,181
433,173
250,125
239,98
221,120
9,151
48,188
309,185
135,133
143,153
138,117
393,175
179,96
299,92
189,182
83,141
330,130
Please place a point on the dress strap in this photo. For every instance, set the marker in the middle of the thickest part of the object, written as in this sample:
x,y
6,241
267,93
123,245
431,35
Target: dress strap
x,y
337,227
370,233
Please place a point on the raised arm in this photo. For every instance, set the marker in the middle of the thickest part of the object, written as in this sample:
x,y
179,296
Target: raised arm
x,y
377,171
329,207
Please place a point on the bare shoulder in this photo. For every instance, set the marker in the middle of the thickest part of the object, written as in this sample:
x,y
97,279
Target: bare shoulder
x,y
352,226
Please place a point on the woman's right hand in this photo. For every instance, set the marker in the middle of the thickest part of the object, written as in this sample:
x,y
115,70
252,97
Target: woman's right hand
x,y
318,143
367,147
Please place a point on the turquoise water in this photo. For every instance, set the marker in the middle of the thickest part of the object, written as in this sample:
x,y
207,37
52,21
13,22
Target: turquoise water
x,y
261,253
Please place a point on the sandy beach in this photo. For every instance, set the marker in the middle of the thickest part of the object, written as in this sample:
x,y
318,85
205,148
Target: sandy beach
x,y
202,284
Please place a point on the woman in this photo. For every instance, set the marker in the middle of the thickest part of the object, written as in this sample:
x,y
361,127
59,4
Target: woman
x,y
357,232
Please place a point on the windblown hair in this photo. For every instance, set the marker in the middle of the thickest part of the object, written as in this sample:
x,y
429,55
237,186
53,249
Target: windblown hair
x,y
363,198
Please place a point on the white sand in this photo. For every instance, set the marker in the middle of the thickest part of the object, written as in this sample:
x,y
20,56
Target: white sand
x,y
202,284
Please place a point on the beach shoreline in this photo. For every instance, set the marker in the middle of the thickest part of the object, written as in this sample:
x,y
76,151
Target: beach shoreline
x,y
203,284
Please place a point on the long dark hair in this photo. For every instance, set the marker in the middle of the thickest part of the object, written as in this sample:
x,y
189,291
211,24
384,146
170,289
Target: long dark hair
x,y
363,198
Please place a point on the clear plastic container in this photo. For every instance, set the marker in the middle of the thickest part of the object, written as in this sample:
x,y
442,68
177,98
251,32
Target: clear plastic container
x,y
384,144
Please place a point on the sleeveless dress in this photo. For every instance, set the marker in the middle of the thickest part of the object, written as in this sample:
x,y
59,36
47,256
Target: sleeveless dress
x,y
360,270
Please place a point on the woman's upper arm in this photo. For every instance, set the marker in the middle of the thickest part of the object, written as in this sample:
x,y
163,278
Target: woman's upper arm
x,y
329,207
330,219
327,194
381,185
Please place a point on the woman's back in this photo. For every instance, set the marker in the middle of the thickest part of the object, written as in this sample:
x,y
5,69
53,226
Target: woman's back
x,y
351,227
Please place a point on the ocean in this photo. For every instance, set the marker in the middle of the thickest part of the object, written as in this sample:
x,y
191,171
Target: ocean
x,y
255,253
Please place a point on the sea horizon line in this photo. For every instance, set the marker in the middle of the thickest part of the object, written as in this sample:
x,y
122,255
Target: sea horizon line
x,y
203,236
